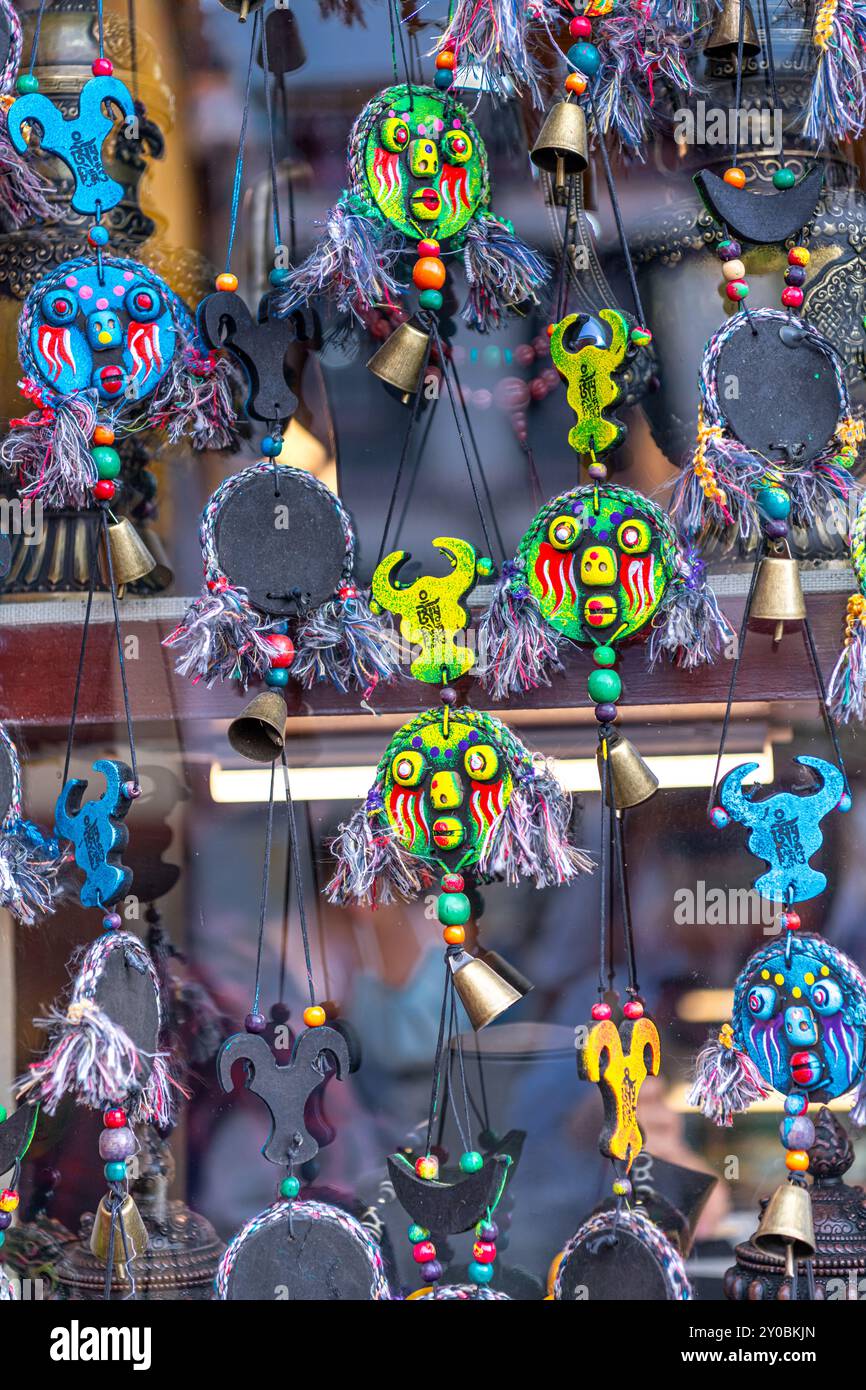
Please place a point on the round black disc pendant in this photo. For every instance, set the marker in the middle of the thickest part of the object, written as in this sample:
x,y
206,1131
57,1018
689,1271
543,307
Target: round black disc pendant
x,y
323,1256
625,1272
278,535
778,395
126,993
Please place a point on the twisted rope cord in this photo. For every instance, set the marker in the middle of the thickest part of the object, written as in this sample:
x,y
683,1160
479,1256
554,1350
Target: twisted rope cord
x,y
13,814
638,1225
13,57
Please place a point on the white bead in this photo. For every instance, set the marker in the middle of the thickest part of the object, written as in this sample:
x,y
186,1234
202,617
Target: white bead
x,y
734,270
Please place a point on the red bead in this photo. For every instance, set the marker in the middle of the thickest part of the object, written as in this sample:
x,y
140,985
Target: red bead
x,y
104,490
114,1119
600,1012
792,297
423,1252
580,27
453,883
282,649
102,67
633,1009
792,921
484,1251
734,290
428,247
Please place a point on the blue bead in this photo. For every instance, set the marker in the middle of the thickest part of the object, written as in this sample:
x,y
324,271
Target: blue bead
x,y
585,57
795,1103
480,1274
774,502
844,802
279,275
115,1172
277,676
443,79
98,236
271,445
719,817
2,1237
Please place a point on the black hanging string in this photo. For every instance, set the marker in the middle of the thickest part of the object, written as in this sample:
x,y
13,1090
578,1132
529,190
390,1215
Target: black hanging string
x,y
242,138
37,32
437,1058
604,906
299,882
263,897
446,377
397,37
404,452
569,233
133,45
771,62
617,213
416,468
470,430
118,638
272,154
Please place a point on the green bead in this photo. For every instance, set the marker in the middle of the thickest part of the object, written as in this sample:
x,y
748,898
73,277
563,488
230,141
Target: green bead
x,y
27,83
430,299
774,502
290,1187
605,687
115,1172
453,909
2,1237
471,1161
784,178
417,1233
604,656
485,566
2,1113
107,460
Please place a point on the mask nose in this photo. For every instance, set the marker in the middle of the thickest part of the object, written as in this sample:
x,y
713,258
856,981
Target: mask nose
x,y
103,331
800,1028
598,565
446,791
424,158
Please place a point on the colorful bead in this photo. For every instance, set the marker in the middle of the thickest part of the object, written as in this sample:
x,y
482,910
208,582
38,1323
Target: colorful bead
x,y
797,1132
471,1161
479,1273
281,649
115,1145
797,1160
9,1199
115,1172
485,567
453,909
430,1273
272,446
279,275
736,289
585,57
114,1119
600,1011
796,1103
276,676
422,1252
795,275
446,59
798,255
112,922
226,281
790,921
576,84
633,1009
3,1113
784,178
26,84
622,1188
103,434
580,27
102,67
598,472
431,299
428,273
107,460
98,236
719,817
774,502
314,1016
454,936
453,883
606,713
484,1251
792,297
733,270
604,686
428,247
641,337
417,1233
427,1166
5,1220
845,802
104,490
729,250
290,1187
735,177
255,1022
443,79
486,1230
604,656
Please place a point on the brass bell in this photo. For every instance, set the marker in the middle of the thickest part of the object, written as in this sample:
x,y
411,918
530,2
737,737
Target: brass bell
x,y
631,781
242,8
130,557
399,362
133,1228
508,972
561,148
786,1227
778,596
724,40
259,731
483,992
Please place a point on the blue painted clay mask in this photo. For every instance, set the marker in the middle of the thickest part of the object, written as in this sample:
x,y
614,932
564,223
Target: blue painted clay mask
x,y
800,1014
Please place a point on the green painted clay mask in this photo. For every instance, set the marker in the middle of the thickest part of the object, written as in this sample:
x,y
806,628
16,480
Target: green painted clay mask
x,y
598,563
444,783
422,162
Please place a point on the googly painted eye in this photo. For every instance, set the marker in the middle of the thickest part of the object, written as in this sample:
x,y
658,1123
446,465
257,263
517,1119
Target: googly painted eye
x,y
634,537
395,134
60,307
142,303
826,997
457,147
481,762
408,768
562,532
762,1001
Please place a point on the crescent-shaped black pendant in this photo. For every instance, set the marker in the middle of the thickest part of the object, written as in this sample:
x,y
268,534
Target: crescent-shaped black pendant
x,y
445,1207
16,1134
761,217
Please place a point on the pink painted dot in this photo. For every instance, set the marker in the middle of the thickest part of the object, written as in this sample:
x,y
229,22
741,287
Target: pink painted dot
x,y
440,125
86,292
422,129
102,303
455,124
392,112
71,281
118,290
129,275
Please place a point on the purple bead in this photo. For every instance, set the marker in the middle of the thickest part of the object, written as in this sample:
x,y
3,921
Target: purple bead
x,y
797,1132
487,1230
795,275
131,790
5,1220
431,1271
116,1144
255,1023
448,695
112,922
776,530
606,713
730,251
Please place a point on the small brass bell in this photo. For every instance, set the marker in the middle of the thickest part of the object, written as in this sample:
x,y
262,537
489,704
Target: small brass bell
x,y
133,1228
242,8
724,40
786,1227
399,362
778,596
561,148
482,991
631,781
130,557
259,731
508,972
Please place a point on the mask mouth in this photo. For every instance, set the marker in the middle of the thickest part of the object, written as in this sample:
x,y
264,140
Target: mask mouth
x,y
806,1067
426,203
600,610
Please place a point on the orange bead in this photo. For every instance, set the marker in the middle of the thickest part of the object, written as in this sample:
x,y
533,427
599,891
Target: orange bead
x,y
454,936
226,281
797,1160
314,1016
735,177
429,273
551,329
103,435
576,84
446,59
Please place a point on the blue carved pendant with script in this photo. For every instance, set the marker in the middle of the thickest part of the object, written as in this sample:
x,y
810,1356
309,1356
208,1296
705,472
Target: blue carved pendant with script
x,y
96,832
785,828
77,140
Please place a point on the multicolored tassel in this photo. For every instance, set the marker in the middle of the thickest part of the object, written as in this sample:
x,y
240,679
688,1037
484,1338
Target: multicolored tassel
x,y
501,270
532,837
517,647
22,189
49,450
846,694
690,628
726,1079
221,637
836,108
495,36
194,400
345,643
641,43
373,868
30,861
352,264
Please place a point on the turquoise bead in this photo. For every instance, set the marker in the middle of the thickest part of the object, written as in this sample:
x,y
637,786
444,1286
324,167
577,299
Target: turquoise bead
x,y
480,1274
2,1113
277,676
585,57
443,79
784,178
115,1172
290,1187
98,236
271,445
471,1161
430,299
107,460
605,687
417,1233
774,502
279,275
2,1237
27,83
453,909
